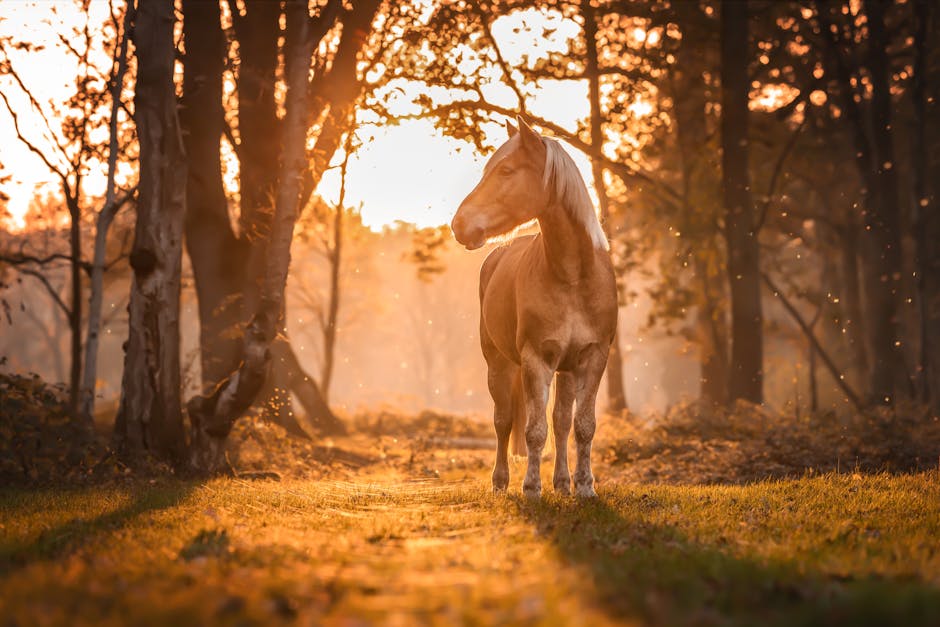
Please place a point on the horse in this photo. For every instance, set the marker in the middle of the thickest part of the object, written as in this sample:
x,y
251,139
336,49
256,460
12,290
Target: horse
x,y
548,304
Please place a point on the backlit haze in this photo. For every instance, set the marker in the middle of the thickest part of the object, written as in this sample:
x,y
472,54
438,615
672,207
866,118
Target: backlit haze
x,y
408,172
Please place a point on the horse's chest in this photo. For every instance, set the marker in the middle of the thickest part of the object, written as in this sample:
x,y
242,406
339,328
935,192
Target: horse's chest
x,y
561,328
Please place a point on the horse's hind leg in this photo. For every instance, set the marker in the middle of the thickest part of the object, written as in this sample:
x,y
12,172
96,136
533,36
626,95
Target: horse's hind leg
x,y
500,377
591,368
561,425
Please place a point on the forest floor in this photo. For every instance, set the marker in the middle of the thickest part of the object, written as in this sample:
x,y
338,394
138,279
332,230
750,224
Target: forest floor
x,y
384,527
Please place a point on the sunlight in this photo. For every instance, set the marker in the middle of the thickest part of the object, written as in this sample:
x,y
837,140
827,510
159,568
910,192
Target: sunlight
x,y
406,172
51,72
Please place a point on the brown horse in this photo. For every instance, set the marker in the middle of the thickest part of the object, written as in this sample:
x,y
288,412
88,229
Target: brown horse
x,y
548,303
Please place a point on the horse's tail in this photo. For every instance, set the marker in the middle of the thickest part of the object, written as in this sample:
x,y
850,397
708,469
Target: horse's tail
x,y
517,435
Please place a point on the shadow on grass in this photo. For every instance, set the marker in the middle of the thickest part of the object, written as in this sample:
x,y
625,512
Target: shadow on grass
x,y
657,575
62,539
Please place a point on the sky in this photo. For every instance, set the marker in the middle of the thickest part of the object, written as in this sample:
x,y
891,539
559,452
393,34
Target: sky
x,y
408,172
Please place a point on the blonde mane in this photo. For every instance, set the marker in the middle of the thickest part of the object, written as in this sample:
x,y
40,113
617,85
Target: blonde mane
x,y
564,179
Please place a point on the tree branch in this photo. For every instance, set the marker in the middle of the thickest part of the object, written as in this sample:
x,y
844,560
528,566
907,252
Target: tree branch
x,y
49,288
22,259
32,147
622,170
774,177
808,332
11,71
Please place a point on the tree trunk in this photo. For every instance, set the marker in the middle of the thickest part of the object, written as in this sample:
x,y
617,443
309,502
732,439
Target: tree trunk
x,y
260,137
216,256
213,416
149,417
881,236
341,97
713,340
332,316
925,220
75,311
880,243
616,395
746,375
851,290
103,224
690,100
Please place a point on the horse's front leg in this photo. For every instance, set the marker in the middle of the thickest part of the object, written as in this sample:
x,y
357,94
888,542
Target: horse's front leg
x,y
591,368
565,385
500,380
536,379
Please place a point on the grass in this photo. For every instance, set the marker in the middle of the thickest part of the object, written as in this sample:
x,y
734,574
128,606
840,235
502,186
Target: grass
x,y
832,549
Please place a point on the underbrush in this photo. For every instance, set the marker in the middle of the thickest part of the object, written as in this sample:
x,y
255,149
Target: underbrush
x,y
695,443
427,424
39,442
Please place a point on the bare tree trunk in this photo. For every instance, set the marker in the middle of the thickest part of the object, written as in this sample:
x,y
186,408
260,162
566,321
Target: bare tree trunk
x,y
213,416
925,221
75,311
712,332
149,417
746,376
217,257
111,206
616,395
881,246
341,97
690,100
332,315
851,289
882,233
811,347
260,137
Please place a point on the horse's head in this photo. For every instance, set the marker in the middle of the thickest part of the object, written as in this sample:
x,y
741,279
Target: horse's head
x,y
511,192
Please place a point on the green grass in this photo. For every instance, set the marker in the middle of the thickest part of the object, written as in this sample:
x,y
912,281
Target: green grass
x,y
834,549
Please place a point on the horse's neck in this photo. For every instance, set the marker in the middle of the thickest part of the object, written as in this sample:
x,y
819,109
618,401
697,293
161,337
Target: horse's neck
x,y
568,248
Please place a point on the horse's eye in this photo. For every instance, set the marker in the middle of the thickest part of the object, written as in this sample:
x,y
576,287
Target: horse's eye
x,y
505,170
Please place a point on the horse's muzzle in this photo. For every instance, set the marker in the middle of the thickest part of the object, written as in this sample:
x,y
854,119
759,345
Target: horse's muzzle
x,y
471,236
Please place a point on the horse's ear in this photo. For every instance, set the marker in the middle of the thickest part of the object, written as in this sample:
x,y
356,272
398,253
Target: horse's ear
x,y
530,138
510,129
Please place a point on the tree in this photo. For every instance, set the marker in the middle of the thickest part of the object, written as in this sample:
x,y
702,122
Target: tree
x,y
328,226
616,396
230,292
925,220
62,136
874,156
150,415
746,373
112,204
214,415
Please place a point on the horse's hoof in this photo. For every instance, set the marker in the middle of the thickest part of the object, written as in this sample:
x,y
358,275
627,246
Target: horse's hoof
x,y
585,492
563,487
532,490
500,481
